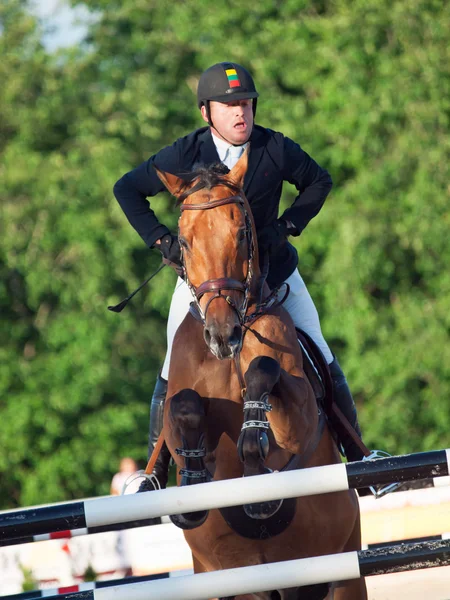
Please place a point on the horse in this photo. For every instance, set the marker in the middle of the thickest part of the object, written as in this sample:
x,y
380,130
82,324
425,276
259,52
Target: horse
x,y
239,402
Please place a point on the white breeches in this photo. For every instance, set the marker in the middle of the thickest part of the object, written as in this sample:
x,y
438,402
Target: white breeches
x,y
299,305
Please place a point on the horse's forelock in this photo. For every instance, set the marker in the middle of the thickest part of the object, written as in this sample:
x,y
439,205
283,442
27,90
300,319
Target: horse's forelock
x,y
206,177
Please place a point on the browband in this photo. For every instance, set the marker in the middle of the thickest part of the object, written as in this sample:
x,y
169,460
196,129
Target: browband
x,y
213,203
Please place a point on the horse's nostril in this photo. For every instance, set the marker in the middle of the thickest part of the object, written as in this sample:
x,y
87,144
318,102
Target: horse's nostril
x,y
236,336
207,335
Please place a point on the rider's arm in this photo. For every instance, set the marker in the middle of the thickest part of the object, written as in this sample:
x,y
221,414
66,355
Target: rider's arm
x,y
132,190
312,182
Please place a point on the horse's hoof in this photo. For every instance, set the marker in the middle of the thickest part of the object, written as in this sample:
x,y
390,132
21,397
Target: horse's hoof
x,y
262,510
190,520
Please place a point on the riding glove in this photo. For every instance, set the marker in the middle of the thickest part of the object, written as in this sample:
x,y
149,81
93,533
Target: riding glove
x,y
170,249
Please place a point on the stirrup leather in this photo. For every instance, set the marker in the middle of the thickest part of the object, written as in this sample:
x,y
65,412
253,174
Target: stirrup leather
x,y
380,491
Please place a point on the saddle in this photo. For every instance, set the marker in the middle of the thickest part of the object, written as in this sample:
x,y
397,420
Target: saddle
x,y
316,370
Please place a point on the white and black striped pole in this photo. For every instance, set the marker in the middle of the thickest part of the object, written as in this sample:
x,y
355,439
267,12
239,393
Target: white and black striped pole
x,y
280,575
71,533
218,494
437,482
86,586
418,540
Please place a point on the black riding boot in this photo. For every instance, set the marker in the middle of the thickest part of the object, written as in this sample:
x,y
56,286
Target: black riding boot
x,y
161,467
344,400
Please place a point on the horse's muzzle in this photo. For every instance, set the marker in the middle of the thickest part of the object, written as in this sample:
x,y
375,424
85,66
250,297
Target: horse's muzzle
x,y
223,341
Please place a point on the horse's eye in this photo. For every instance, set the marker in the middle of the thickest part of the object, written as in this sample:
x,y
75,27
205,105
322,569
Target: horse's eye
x,y
242,235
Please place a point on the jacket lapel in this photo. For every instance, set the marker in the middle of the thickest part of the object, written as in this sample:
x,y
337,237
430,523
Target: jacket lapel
x,y
257,146
208,153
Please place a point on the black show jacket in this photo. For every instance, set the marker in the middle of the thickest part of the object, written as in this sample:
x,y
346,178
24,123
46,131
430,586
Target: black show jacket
x,y
273,159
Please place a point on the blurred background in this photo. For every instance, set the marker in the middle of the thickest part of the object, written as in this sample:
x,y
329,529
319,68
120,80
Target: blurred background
x,y
91,89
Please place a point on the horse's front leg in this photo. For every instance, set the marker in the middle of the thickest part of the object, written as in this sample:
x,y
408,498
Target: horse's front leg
x,y
187,417
253,444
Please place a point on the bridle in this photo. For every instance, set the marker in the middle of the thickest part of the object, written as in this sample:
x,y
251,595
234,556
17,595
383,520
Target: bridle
x,y
218,286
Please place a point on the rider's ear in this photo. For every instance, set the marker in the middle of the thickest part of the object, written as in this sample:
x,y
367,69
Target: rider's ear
x,y
173,183
239,170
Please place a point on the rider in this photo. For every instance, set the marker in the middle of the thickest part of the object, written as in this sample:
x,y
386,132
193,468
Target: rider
x,y
227,99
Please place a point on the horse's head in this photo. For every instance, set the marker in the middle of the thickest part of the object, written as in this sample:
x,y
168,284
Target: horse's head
x,y
218,243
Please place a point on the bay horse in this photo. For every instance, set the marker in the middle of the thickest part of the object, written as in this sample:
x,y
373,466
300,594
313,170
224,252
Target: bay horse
x,y
238,401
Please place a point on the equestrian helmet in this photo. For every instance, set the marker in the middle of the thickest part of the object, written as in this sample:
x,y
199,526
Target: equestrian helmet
x,y
225,82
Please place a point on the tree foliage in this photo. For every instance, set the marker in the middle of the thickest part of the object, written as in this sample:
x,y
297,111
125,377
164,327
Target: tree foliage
x,y
363,86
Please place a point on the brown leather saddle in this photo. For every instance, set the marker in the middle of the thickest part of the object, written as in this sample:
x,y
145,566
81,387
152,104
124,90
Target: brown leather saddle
x,y
316,370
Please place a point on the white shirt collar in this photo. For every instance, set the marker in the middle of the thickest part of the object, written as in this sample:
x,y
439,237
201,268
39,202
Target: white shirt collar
x,y
222,146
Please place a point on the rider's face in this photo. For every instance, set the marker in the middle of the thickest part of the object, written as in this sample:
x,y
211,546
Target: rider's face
x,y
232,121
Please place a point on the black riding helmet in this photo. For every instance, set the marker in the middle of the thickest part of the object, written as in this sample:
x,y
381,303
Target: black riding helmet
x,y
225,82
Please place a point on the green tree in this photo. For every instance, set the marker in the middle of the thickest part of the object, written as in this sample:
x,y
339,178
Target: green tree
x,y
75,378
362,86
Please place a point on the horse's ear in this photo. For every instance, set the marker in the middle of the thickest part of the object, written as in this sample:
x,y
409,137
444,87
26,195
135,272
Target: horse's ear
x,y
239,170
173,183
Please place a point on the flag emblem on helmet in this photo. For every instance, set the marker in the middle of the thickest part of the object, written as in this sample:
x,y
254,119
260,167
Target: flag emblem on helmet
x,y
233,78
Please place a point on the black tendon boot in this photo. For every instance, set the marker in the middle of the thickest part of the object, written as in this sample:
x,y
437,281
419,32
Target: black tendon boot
x,y
161,467
344,400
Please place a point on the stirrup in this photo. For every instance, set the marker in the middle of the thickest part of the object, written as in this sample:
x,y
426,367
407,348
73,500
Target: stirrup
x,y
379,491
149,483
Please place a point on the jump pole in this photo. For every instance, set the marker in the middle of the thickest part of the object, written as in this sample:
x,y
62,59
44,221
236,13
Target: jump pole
x,y
71,533
217,494
280,575
82,587
437,482
426,538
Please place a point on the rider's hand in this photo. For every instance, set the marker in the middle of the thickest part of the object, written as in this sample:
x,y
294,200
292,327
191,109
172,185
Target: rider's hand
x,y
273,236
170,249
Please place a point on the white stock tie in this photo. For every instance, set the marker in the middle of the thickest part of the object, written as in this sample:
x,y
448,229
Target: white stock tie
x,y
233,155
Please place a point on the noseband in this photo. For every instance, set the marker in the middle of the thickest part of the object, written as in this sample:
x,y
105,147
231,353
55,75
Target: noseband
x,y
218,286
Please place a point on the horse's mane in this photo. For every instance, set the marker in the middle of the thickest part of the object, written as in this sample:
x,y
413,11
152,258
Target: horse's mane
x,y
208,177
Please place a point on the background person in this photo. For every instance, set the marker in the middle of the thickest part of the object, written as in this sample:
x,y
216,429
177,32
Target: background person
x,y
127,467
